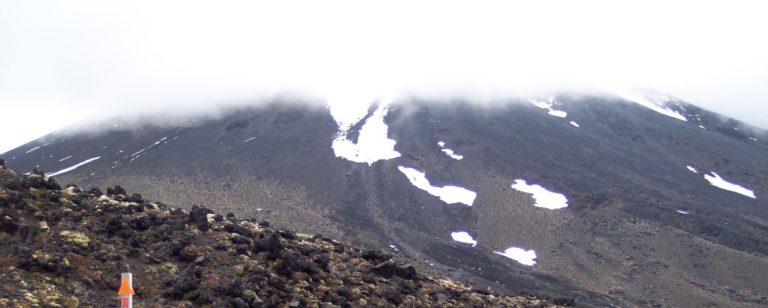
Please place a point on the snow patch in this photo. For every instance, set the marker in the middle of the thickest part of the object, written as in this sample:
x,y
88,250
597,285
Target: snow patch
x,y
394,247
547,105
453,155
73,167
719,182
448,194
524,257
682,212
32,150
372,145
653,104
463,237
449,152
65,158
692,169
575,124
702,127
249,139
543,197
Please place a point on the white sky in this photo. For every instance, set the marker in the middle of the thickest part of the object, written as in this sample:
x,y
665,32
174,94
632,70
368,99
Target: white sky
x,y
65,60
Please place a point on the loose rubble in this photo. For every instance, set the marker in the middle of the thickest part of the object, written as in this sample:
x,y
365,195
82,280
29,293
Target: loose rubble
x,y
66,247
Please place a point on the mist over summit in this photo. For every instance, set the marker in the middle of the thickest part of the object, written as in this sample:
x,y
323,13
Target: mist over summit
x,y
606,152
63,61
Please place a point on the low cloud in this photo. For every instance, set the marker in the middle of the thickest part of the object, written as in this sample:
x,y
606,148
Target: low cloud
x,y
88,59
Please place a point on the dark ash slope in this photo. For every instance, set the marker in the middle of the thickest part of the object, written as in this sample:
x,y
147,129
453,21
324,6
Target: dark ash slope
x,y
620,241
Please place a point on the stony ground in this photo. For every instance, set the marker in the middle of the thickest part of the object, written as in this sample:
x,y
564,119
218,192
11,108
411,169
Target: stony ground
x,y
66,247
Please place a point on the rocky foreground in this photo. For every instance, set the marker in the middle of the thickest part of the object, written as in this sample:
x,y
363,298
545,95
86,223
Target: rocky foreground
x,y
67,248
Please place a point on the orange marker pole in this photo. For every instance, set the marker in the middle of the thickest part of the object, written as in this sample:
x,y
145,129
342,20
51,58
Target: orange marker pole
x,y
126,293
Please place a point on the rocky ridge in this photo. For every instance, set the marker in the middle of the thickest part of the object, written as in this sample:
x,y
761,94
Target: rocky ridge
x,y
65,247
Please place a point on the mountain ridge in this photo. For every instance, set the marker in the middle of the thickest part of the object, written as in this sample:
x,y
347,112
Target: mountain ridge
x,y
641,228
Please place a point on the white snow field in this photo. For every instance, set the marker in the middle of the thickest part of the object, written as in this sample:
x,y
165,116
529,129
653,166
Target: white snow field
x,y
449,152
372,143
463,237
524,257
721,183
652,104
548,105
448,194
543,197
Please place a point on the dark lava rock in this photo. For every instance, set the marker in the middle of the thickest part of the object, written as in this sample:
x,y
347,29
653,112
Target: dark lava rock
x,y
388,269
95,191
117,190
271,244
376,256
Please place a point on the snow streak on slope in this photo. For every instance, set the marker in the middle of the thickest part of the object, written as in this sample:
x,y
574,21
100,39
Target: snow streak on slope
x,y
448,194
73,167
692,169
138,153
719,182
652,104
543,197
449,152
524,257
575,124
372,145
463,237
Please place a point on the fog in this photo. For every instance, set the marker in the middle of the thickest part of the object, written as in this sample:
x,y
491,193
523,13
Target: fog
x,y
87,60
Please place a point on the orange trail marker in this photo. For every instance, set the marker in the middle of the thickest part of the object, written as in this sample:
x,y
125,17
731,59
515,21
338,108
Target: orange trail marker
x,y
126,293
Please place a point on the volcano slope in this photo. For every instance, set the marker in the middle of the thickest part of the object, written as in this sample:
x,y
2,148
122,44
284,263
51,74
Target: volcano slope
x,y
67,248
447,185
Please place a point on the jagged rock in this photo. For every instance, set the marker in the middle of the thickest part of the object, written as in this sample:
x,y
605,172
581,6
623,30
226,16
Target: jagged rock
x,y
141,224
117,190
8,225
137,198
270,244
199,217
376,256
95,192
77,238
388,269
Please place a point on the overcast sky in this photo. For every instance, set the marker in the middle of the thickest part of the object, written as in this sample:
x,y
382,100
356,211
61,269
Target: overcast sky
x,y
62,61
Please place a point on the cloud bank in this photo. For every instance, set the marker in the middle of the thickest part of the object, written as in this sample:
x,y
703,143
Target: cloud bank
x,y
66,60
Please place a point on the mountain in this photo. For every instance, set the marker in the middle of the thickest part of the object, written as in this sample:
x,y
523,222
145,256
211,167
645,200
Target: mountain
x,y
67,248
637,200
